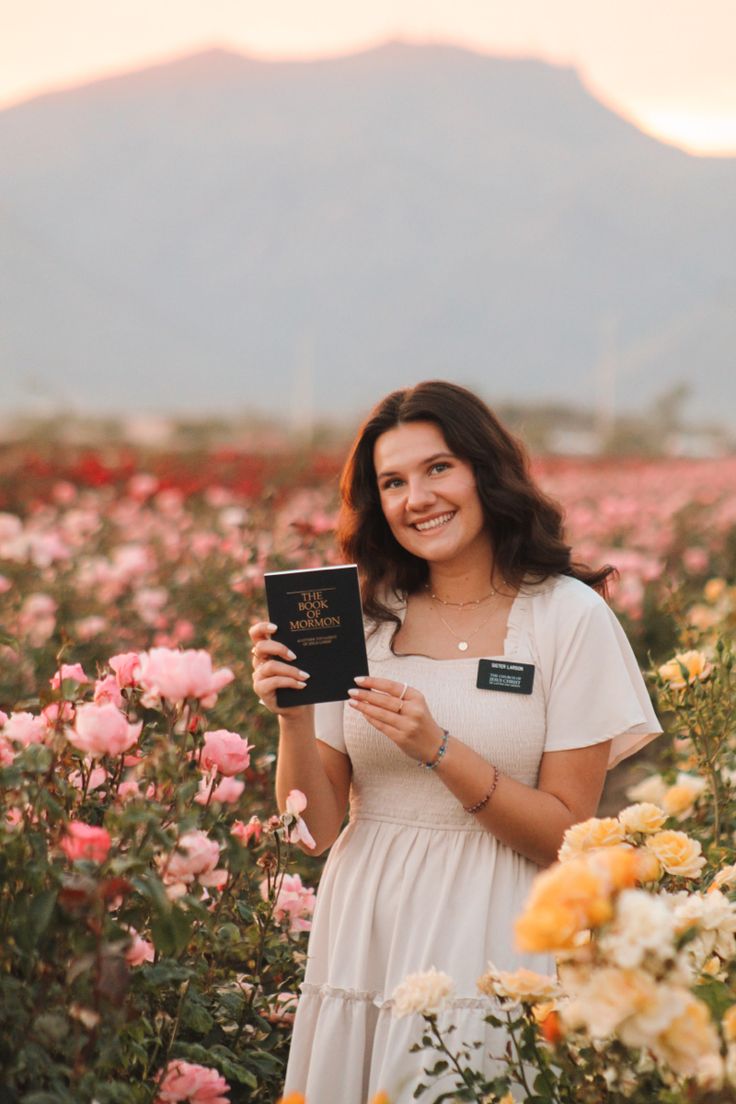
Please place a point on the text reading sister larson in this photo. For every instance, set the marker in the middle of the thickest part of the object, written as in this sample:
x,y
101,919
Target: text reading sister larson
x,y
456,794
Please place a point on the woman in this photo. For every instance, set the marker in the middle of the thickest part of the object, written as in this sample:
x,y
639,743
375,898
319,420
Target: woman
x,y
461,776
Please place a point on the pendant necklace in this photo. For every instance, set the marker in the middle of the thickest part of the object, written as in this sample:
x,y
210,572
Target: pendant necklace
x,y
463,642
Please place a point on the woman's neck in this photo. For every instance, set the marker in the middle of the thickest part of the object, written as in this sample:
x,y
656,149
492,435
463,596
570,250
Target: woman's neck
x,y
458,585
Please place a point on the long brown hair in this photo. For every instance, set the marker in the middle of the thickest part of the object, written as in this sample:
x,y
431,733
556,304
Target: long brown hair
x,y
524,524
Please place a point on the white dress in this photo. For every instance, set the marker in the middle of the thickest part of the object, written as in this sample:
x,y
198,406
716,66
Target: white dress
x,y
413,881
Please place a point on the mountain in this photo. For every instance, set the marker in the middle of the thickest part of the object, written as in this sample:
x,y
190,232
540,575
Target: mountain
x,y
220,233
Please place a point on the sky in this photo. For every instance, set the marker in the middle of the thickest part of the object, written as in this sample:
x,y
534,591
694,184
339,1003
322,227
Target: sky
x,y
667,65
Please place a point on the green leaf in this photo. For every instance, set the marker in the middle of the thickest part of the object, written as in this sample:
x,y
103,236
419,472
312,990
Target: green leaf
x,y
438,1068
196,1017
36,919
171,931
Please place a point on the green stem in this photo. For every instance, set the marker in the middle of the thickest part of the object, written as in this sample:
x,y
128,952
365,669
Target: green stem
x,y
444,1049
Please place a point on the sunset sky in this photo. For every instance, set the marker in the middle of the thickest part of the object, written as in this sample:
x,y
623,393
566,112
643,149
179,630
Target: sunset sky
x,y
669,65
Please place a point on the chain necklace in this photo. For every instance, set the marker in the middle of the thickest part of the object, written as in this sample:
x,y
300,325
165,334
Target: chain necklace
x,y
474,602
463,643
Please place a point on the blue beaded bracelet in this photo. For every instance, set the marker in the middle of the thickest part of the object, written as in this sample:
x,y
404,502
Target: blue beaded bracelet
x,y
432,764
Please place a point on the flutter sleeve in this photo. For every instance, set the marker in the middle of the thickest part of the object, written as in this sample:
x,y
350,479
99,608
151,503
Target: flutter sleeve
x,y
328,724
593,687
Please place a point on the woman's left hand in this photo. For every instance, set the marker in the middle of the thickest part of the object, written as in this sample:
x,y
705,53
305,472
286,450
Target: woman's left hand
x,y
399,712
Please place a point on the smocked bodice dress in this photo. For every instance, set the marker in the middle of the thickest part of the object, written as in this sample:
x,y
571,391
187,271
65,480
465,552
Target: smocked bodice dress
x,y
413,881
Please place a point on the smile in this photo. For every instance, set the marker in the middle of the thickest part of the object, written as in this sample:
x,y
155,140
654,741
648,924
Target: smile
x,y
434,523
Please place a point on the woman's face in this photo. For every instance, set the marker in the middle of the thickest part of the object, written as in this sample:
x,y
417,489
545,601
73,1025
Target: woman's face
x,y
428,495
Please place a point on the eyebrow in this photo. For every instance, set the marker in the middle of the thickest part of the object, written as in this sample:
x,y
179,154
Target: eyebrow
x,y
422,463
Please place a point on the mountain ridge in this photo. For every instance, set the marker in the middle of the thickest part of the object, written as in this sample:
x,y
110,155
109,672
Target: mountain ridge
x,y
242,225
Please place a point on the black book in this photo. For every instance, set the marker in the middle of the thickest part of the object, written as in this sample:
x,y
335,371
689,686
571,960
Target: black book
x,y
319,617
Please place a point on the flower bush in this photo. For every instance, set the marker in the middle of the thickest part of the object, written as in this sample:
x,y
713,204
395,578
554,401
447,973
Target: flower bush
x,y
147,935
640,913
150,930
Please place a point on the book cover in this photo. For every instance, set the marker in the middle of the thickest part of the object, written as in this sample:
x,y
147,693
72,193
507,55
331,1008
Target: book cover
x,y
319,616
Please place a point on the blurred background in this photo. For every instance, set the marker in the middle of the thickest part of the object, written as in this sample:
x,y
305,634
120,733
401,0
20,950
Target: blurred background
x,y
232,221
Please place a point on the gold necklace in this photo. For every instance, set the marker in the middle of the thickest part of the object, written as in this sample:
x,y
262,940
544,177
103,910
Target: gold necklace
x,y
475,602
463,642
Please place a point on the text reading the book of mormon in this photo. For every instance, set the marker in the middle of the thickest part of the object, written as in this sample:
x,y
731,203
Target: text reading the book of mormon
x,y
314,606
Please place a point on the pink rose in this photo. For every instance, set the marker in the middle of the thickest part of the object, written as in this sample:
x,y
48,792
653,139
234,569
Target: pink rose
x,y
68,671
177,675
244,833
296,803
97,778
37,619
226,751
195,858
186,1081
56,711
102,730
228,791
294,902
140,950
7,754
13,818
125,665
128,790
107,690
25,729
82,841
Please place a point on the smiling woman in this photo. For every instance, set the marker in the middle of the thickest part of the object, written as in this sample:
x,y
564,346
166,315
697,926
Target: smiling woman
x,y
498,671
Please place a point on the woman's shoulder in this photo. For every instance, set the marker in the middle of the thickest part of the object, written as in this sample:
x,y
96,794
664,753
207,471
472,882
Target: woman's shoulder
x,y
562,603
564,590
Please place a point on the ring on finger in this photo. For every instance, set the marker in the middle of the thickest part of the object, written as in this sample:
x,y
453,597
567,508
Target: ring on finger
x,y
404,688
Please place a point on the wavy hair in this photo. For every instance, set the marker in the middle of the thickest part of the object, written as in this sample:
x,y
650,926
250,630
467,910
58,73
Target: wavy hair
x,y
525,525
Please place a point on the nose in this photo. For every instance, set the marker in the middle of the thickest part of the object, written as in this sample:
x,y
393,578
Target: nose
x,y
419,494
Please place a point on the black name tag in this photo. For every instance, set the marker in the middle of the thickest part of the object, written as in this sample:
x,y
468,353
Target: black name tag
x,y
512,678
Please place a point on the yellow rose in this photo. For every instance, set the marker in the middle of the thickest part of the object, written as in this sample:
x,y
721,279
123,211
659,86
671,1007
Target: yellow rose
x,y
644,817
725,877
574,895
678,854
683,794
690,1038
695,664
589,834
521,985
714,589
729,1024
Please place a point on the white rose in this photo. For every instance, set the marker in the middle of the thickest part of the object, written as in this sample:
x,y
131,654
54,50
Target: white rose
x,y
643,925
649,789
425,993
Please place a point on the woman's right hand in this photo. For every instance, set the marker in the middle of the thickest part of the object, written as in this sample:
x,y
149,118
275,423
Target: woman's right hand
x,y
272,670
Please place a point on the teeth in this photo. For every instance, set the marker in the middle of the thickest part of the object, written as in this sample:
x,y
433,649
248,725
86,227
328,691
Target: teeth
x,y
434,523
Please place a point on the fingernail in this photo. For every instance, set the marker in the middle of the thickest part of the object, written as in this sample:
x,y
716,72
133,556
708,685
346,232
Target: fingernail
x,y
271,626
303,674
290,655
354,704
353,693
301,686
360,678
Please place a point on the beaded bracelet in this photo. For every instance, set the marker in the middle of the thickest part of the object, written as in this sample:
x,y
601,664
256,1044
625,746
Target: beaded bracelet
x,y
432,764
484,800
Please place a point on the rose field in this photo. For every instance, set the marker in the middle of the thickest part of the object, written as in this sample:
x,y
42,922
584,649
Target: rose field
x,y
153,902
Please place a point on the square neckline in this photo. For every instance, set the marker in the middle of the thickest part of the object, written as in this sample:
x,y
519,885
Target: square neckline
x,y
510,640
